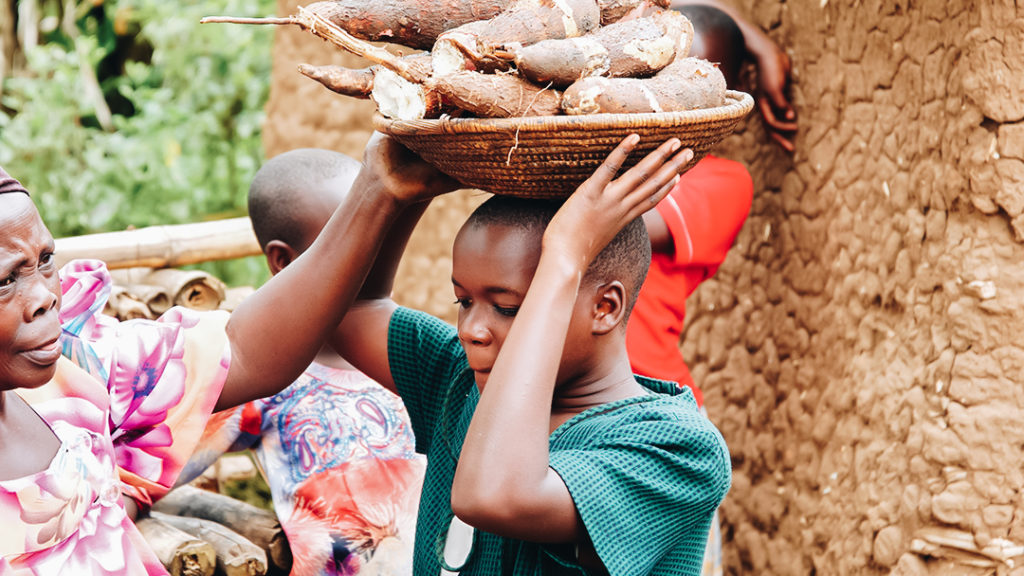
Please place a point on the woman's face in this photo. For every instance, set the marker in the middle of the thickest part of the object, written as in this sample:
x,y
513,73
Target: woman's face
x,y
29,296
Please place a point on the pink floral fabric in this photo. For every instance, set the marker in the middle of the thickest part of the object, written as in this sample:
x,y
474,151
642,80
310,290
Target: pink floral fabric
x,y
129,402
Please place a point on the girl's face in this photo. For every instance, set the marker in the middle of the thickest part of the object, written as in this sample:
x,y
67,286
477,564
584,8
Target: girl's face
x,y
492,268
29,296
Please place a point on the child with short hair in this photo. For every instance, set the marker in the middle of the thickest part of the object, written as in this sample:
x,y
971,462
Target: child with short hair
x,y
545,454
335,447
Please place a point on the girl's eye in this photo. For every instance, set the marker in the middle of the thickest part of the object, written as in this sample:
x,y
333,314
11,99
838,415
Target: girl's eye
x,y
463,302
509,311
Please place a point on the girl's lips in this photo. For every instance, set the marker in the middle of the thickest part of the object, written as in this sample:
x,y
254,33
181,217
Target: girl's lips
x,y
45,355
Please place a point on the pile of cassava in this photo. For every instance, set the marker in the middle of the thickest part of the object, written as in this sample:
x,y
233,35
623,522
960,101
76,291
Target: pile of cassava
x,y
511,58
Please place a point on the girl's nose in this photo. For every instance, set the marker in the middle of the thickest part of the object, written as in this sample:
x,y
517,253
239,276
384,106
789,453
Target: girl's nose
x,y
473,331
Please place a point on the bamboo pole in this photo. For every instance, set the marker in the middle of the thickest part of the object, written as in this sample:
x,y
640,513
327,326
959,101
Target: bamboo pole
x,y
164,246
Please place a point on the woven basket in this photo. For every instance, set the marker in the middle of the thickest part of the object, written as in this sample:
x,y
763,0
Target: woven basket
x,y
549,156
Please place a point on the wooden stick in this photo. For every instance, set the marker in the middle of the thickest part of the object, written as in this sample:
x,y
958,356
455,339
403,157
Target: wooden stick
x,y
164,246
327,30
253,21
181,553
334,34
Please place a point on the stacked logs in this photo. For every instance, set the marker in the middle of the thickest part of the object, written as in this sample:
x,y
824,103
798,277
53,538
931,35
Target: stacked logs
x,y
143,264
511,58
195,532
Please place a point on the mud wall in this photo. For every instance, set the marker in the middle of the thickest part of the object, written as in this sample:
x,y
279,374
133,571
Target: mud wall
x,y
859,349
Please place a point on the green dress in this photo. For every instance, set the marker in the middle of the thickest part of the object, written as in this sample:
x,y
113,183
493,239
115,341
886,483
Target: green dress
x,y
646,473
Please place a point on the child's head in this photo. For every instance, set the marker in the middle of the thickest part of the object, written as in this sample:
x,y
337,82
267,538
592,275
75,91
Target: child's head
x,y
29,292
717,39
494,259
293,196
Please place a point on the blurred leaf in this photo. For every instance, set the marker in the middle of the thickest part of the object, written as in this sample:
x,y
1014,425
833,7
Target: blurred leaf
x,y
187,140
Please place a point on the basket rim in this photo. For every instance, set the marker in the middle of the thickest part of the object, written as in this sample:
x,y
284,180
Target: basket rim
x,y
738,104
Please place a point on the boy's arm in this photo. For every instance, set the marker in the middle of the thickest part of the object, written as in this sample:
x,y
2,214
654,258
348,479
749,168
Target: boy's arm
x,y
277,331
503,483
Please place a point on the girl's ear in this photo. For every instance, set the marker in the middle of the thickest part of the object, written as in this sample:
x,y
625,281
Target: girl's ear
x,y
279,254
609,307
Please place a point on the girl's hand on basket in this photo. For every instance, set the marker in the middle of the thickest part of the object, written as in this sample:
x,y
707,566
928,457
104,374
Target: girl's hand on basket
x,y
403,174
601,206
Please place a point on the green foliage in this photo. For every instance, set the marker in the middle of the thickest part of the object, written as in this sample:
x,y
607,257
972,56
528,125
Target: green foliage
x,y
183,141
253,490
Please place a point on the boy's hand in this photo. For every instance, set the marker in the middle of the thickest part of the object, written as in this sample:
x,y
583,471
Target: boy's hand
x,y
601,207
403,174
774,74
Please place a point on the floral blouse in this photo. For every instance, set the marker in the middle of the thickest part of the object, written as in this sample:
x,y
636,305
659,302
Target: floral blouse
x,y
339,456
128,403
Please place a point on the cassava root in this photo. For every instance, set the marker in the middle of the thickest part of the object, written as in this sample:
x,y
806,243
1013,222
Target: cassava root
x,y
686,84
525,22
633,48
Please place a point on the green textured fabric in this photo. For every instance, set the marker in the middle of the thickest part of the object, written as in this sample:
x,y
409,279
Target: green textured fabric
x,y
646,474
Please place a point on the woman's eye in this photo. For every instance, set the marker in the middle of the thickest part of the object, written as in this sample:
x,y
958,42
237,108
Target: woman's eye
x,y
509,311
4,282
46,259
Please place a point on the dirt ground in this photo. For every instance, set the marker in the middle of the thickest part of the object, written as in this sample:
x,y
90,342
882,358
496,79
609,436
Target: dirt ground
x,y
858,348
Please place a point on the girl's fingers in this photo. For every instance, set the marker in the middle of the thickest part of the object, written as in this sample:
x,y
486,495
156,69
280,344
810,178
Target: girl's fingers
x,y
645,197
668,170
647,168
664,190
611,165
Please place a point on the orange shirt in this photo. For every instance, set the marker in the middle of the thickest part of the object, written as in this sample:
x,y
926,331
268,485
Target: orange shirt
x,y
704,213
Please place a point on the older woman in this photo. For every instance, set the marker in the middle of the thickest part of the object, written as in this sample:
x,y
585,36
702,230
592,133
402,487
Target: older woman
x,y
91,408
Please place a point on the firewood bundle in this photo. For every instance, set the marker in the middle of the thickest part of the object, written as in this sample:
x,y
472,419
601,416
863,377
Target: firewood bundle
x,y
511,58
145,293
199,533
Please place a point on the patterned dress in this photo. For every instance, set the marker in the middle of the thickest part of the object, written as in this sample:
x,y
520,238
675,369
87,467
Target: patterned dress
x,y
338,453
128,403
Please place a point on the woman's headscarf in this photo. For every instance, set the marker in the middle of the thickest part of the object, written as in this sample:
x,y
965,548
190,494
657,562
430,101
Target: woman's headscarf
x,y
9,184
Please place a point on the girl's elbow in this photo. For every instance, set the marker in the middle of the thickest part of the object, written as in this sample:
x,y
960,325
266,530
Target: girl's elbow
x,y
483,509
469,504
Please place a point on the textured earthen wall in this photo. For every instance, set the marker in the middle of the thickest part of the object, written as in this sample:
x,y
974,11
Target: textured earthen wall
x,y
859,349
